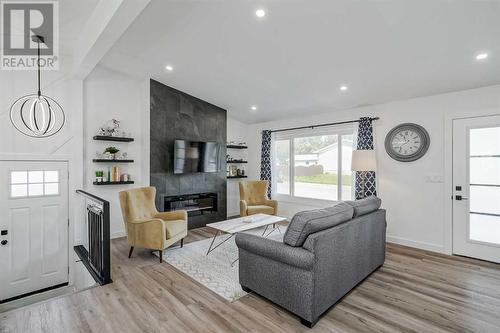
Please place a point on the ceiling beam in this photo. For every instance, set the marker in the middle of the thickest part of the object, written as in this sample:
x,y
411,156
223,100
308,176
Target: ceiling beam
x,y
106,25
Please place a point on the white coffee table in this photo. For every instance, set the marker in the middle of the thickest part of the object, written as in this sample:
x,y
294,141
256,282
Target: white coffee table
x,y
236,225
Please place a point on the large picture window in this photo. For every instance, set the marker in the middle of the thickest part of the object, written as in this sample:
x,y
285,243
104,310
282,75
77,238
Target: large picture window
x,y
315,164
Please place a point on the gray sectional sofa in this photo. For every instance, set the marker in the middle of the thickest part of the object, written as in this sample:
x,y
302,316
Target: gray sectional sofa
x,y
324,254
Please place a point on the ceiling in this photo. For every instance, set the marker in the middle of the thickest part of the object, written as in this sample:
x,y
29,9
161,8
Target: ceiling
x,y
73,15
293,61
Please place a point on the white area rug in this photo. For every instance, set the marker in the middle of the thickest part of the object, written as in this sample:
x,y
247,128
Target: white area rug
x,y
214,271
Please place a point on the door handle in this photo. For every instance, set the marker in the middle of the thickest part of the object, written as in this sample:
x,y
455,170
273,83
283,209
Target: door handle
x,y
459,198
4,242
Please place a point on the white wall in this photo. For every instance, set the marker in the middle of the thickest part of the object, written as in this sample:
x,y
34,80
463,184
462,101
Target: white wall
x,y
66,145
111,95
237,132
87,104
413,193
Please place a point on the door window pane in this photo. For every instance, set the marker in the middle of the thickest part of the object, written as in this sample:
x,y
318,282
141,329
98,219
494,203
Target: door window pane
x,y
316,167
347,177
35,176
485,170
18,190
35,189
18,177
282,166
51,176
485,141
484,228
485,199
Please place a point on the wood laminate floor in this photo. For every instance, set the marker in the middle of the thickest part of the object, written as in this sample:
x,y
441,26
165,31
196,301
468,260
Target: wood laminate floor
x,y
415,291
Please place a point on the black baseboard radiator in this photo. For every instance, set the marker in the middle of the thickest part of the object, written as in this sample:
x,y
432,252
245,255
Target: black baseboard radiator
x,y
95,253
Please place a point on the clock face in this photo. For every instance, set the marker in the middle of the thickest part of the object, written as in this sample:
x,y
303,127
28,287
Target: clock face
x,y
407,142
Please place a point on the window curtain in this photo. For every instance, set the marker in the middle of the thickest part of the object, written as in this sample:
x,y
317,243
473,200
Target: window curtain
x,y
265,160
365,141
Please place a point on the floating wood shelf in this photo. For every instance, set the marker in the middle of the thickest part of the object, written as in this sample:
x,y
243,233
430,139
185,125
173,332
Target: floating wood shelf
x,y
105,160
114,183
236,147
237,161
234,177
112,138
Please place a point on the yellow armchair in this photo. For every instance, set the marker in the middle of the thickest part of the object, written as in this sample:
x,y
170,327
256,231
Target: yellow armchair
x,y
254,200
145,226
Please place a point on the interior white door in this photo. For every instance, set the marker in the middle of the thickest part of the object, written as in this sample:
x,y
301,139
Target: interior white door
x,y
476,187
34,226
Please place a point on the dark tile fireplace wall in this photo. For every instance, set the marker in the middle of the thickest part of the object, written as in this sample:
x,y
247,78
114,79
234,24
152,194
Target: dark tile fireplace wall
x,y
177,115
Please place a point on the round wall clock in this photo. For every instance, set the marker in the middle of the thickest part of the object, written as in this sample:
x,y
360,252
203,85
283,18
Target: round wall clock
x,y
407,142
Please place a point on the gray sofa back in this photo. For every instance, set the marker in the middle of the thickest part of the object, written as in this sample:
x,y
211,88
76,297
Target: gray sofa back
x,y
365,206
311,221
308,222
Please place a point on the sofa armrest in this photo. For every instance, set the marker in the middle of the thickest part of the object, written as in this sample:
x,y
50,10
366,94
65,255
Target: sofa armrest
x,y
173,215
294,256
243,208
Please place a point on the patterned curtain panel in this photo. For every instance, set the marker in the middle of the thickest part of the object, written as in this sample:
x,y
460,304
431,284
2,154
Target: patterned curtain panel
x,y
265,160
365,141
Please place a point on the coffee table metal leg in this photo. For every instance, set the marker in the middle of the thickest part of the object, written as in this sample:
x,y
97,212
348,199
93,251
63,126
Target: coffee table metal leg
x,y
213,240
275,227
265,230
210,249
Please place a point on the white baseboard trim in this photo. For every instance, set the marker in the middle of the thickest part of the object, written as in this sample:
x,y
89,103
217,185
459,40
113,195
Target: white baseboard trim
x,y
417,244
118,234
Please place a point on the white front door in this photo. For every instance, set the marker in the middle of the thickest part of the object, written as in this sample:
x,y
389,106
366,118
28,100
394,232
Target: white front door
x,y
476,187
33,225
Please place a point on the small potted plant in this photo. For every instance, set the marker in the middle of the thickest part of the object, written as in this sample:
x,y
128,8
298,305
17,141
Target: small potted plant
x,y
98,176
112,151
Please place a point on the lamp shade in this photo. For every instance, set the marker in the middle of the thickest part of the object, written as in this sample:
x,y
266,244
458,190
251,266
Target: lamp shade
x,y
363,160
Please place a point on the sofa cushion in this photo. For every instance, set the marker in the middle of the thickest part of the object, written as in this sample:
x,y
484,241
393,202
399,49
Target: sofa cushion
x,y
251,210
308,222
365,206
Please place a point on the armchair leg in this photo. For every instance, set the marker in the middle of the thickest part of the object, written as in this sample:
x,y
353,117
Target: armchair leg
x,y
161,255
182,242
130,252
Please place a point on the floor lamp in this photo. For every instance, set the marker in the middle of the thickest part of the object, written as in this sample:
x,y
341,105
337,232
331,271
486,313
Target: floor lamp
x,y
363,161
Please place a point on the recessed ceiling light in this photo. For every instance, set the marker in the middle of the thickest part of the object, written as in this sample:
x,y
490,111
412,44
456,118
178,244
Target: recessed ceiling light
x,y
169,68
253,108
482,56
343,88
260,13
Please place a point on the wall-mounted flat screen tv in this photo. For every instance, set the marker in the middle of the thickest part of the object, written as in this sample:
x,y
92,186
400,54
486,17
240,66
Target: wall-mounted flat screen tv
x,y
195,156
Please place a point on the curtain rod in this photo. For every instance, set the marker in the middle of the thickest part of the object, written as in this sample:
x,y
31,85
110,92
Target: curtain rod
x,y
320,125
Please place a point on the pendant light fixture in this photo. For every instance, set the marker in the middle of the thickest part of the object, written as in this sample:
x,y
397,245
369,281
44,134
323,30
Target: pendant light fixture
x,y
37,115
